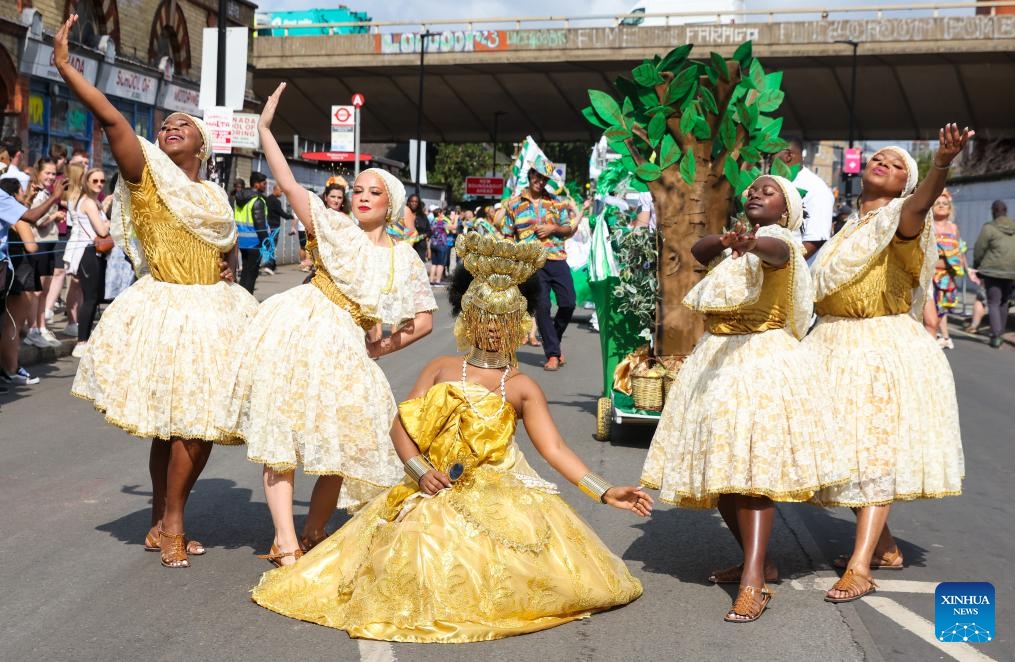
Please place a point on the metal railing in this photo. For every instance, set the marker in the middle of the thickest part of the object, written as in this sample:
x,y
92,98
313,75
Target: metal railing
x,y
615,20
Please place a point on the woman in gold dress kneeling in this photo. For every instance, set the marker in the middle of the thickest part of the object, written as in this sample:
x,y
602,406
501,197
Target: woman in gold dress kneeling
x,y
473,545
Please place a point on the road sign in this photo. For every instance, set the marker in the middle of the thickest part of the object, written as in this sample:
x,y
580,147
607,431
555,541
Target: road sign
x,y
484,187
851,161
219,121
343,127
358,100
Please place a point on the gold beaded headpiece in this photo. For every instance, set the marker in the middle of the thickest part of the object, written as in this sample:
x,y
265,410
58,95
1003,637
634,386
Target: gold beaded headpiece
x,y
498,266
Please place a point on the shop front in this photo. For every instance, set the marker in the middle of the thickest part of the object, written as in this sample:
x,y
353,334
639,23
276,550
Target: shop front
x,y
54,115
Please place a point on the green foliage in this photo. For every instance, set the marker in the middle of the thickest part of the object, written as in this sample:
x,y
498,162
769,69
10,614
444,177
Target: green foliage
x,y
456,161
635,294
737,128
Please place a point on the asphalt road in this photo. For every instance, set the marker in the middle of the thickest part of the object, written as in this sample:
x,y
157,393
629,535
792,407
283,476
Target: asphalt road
x,y
78,586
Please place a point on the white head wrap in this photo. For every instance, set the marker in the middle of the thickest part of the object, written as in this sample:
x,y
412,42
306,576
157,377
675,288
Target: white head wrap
x,y
396,193
794,203
912,170
205,152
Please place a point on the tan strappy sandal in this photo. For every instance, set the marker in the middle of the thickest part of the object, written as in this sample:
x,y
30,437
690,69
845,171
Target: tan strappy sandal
x,y
194,548
275,555
850,582
750,604
175,553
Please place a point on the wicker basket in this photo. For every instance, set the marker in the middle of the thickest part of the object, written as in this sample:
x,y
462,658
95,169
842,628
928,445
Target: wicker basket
x,y
668,381
647,389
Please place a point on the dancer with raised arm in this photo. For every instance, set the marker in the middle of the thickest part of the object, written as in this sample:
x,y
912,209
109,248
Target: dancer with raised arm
x,y
472,545
893,404
319,400
737,433
155,362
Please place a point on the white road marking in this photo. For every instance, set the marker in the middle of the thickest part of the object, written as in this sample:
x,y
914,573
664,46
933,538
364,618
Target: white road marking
x,y
924,629
884,585
376,651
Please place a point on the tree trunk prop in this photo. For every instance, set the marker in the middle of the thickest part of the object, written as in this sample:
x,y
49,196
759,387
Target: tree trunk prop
x,y
695,135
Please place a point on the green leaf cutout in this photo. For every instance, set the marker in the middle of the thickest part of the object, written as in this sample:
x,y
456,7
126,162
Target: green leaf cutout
x,y
648,172
606,107
688,167
646,74
669,152
675,58
656,128
719,65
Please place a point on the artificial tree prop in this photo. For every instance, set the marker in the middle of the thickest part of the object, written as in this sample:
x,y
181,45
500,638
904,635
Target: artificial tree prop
x,y
694,134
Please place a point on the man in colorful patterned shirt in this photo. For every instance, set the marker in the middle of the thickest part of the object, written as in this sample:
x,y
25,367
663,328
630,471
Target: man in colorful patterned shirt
x,y
537,215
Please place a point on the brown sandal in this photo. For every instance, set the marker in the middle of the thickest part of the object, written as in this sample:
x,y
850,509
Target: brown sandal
x,y
731,575
751,602
194,548
275,555
887,561
307,543
175,553
850,583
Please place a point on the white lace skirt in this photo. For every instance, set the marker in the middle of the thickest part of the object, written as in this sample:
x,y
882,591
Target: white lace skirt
x,y
892,397
157,362
741,418
306,392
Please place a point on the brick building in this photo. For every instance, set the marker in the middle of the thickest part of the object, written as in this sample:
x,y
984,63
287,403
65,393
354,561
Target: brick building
x,y
144,54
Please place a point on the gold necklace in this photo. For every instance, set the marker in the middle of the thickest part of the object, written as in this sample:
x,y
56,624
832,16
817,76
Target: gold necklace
x,y
485,358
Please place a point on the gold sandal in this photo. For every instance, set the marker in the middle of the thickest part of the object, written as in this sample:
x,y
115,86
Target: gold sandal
x,y
751,602
275,555
850,583
194,548
175,554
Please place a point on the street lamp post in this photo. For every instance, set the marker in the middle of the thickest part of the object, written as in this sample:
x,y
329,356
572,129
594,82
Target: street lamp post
x,y
423,36
496,120
852,112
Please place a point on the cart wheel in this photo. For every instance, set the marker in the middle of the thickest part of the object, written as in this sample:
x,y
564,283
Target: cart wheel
x,y
604,417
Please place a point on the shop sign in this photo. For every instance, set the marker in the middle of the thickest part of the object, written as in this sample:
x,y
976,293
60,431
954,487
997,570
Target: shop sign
x,y
183,99
127,84
38,61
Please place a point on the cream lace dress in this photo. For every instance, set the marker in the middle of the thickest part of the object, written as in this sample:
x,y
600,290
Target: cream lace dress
x,y
886,382
155,362
741,416
305,390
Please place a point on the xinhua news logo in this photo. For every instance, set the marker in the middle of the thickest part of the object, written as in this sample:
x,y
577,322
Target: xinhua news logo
x,y
964,612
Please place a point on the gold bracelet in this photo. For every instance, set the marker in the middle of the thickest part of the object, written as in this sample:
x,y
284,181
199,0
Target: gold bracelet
x,y
417,467
944,167
595,486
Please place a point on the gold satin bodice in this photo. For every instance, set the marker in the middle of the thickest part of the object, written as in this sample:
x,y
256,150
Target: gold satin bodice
x,y
884,287
174,254
771,311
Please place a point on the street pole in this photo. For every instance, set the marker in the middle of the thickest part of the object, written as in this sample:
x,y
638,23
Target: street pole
x,y
419,106
220,84
356,141
496,119
852,114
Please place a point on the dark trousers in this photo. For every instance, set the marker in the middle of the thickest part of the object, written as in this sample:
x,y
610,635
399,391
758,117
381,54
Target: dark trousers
x,y
92,277
250,262
998,299
555,276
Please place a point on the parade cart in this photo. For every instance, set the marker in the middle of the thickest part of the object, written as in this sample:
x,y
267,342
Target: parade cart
x,y
619,336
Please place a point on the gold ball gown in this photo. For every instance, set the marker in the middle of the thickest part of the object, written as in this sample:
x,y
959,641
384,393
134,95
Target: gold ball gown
x,y
498,554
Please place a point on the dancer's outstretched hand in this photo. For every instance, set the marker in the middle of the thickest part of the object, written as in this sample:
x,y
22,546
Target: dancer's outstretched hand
x,y
952,141
745,242
628,497
61,45
268,112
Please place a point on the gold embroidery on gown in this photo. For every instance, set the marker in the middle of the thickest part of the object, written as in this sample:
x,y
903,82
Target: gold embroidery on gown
x,y
890,389
498,554
155,361
737,418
